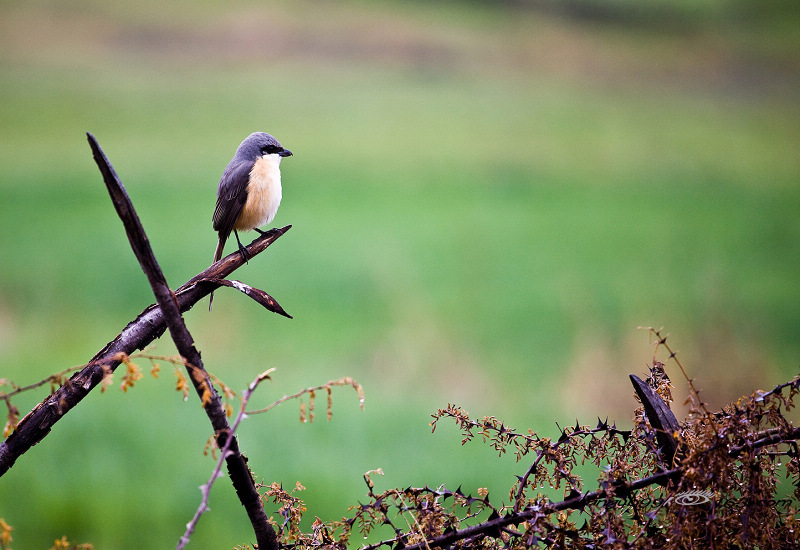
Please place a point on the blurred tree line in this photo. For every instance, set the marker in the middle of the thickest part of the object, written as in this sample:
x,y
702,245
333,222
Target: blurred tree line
x,y
668,14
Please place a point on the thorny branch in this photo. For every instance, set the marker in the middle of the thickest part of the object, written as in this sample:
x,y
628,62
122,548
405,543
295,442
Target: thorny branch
x,y
640,501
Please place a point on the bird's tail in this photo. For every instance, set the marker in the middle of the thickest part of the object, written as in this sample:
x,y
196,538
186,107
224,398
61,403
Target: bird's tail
x,y
217,256
218,251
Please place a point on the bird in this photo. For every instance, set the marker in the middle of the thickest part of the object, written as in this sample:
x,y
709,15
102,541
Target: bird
x,y
249,191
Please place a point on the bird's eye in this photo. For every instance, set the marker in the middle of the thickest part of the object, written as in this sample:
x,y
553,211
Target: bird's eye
x,y
269,150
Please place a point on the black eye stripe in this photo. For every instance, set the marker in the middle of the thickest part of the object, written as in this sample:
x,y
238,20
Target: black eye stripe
x,y
270,150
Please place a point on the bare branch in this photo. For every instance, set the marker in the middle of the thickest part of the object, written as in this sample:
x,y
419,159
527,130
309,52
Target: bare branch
x,y
240,475
53,379
347,381
205,489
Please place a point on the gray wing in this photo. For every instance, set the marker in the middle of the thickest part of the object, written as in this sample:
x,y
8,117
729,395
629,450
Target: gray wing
x,y
231,196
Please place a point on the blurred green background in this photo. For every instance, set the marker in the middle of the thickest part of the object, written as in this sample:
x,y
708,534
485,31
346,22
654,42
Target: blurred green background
x,y
487,200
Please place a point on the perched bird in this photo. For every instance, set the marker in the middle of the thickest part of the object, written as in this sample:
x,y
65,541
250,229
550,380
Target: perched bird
x,y
249,190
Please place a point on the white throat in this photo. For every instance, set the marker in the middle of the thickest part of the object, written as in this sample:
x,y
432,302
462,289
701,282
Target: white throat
x,y
263,193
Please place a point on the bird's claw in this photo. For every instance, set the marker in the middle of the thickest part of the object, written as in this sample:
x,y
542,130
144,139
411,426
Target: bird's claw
x,y
245,255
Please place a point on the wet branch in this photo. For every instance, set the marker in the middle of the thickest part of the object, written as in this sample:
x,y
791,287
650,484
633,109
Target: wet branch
x,y
237,466
140,333
148,326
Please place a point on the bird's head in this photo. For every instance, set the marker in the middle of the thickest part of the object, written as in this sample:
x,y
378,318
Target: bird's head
x,y
259,144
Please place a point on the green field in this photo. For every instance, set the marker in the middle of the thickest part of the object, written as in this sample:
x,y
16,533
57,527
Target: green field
x,y
486,204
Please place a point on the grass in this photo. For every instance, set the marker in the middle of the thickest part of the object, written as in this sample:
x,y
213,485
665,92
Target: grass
x,y
467,228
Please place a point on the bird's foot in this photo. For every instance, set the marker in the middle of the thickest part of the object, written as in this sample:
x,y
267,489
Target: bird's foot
x,y
242,249
243,252
267,232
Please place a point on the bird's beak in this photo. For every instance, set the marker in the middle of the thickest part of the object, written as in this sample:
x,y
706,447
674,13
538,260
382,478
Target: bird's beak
x,y
285,153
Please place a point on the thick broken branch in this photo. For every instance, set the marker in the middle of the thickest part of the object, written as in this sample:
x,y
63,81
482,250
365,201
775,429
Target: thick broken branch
x,y
142,331
237,466
661,418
